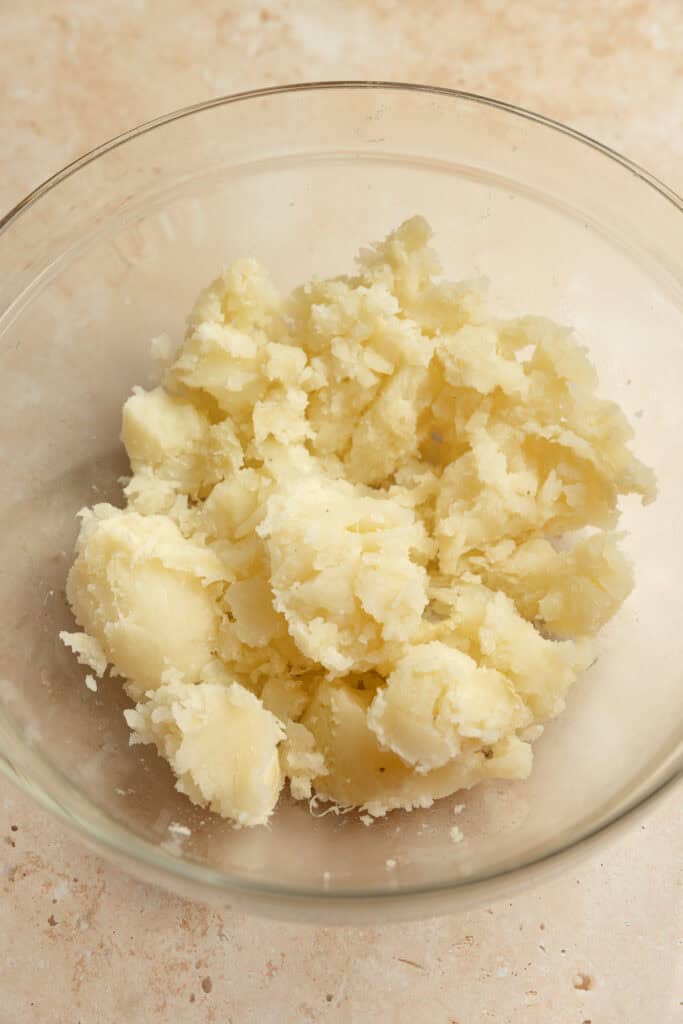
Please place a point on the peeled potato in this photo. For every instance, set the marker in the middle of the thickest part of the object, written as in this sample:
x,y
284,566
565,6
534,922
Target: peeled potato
x,y
354,552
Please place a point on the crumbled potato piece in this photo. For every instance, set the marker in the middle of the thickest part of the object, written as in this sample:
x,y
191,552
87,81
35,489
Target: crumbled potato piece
x,y
142,591
221,743
344,572
436,698
360,772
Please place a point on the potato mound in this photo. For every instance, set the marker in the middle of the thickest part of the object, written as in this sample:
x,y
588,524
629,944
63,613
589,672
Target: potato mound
x,y
355,552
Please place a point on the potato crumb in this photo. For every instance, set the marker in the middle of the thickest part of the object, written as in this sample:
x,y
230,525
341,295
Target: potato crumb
x,y
179,830
87,650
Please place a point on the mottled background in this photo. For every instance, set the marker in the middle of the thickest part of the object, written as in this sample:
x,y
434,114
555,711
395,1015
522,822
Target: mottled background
x,y
79,942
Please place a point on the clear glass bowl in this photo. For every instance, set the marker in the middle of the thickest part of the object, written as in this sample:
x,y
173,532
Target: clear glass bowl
x,y
111,252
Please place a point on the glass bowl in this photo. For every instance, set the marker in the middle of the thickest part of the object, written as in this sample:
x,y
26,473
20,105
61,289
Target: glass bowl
x,y
111,252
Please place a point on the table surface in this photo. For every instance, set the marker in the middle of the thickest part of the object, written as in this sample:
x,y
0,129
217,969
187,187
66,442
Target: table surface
x,y
80,943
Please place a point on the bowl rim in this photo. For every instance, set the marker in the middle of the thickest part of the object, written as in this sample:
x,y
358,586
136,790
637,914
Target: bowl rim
x,y
335,84
119,842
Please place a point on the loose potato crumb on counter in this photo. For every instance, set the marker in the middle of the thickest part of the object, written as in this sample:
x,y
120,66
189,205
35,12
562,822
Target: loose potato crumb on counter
x,y
456,834
368,539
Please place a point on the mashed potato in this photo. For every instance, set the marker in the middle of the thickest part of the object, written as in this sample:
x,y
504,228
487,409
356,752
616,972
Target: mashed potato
x,y
368,538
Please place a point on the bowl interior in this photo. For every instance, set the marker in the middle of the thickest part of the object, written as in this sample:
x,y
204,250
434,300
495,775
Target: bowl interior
x,y
114,255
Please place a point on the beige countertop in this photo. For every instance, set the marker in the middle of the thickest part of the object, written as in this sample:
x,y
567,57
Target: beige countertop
x,y
79,942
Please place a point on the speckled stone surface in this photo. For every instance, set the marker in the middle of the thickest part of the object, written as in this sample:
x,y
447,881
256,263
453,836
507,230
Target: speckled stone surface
x,y
79,942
